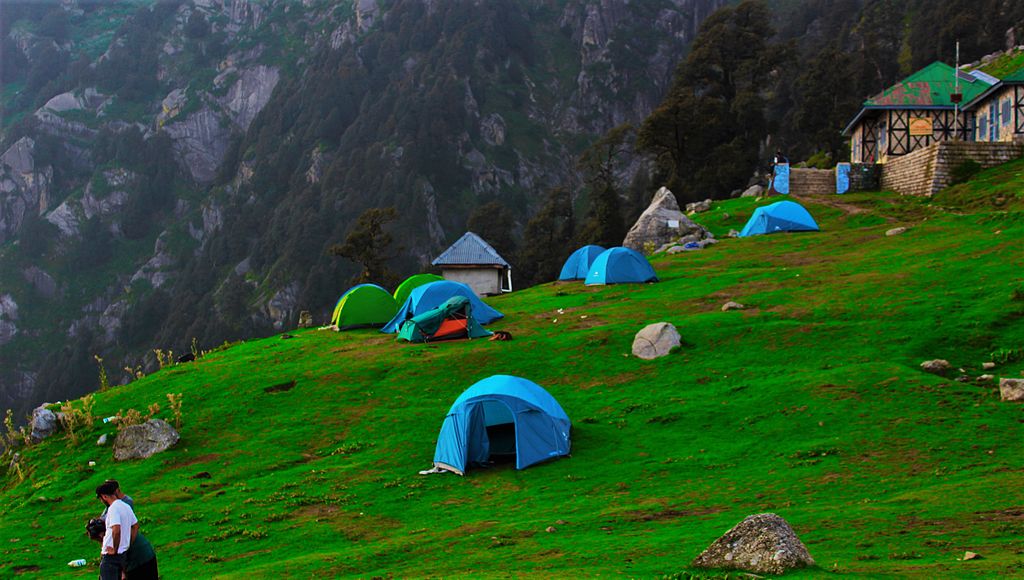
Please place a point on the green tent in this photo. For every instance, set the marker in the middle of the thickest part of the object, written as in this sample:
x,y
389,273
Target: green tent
x,y
451,320
411,283
364,306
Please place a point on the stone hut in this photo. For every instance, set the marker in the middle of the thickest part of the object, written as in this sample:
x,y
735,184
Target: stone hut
x,y
474,262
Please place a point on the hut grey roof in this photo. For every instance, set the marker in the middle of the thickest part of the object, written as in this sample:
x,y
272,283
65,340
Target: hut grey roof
x,y
470,250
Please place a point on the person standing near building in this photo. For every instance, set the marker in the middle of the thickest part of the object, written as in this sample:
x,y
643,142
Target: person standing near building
x,y
117,537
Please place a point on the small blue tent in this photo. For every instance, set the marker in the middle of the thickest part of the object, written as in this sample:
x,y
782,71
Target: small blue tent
x,y
471,433
781,216
620,266
430,296
578,265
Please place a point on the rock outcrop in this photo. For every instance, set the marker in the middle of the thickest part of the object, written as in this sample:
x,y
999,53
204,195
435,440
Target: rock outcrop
x,y
8,318
200,142
250,93
24,187
936,367
145,440
761,543
655,340
662,223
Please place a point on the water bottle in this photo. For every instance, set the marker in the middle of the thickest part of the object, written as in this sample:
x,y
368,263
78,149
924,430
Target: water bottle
x,y
77,563
109,419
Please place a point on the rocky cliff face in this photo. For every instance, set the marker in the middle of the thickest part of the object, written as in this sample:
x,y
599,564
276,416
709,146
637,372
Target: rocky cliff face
x,y
283,121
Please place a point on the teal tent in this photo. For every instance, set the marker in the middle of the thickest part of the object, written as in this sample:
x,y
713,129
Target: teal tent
x,y
620,266
781,216
577,266
451,320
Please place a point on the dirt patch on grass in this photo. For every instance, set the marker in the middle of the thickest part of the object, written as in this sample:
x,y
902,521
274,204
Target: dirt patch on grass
x,y
209,457
841,392
669,514
19,570
1013,514
247,555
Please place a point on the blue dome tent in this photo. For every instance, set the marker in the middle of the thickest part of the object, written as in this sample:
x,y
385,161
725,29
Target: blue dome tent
x,y
502,415
781,216
577,266
620,266
430,296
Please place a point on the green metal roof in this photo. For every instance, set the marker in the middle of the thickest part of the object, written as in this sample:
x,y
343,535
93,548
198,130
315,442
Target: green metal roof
x,y
1017,77
928,87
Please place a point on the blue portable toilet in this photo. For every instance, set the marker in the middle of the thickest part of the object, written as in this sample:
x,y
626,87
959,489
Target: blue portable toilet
x,y
502,415
577,266
620,266
781,216
434,294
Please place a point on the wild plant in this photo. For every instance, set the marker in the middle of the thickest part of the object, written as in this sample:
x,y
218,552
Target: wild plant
x,y
88,402
104,383
195,349
164,359
135,373
70,418
153,410
175,402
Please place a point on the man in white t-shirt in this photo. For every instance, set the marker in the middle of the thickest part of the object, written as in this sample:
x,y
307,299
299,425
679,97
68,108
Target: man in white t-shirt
x,y
119,521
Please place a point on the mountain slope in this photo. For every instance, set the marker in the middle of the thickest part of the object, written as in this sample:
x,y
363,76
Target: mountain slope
x,y
177,170
810,404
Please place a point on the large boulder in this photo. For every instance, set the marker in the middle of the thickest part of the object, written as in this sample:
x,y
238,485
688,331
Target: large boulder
x,y
660,224
753,191
145,440
761,543
655,340
1011,390
44,423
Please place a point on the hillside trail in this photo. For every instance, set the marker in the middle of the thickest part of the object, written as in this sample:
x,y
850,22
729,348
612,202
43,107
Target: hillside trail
x,y
831,201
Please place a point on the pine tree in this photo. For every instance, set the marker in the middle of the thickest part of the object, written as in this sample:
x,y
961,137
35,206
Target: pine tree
x,y
547,240
494,222
369,245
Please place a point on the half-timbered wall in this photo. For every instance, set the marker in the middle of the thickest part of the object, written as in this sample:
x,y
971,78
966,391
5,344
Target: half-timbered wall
x,y
1000,117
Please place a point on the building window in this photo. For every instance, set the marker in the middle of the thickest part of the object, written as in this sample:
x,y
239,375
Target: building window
x,y
881,138
983,127
1006,112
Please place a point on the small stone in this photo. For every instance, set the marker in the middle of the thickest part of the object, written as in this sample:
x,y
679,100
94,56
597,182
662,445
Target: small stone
x,y
963,379
730,305
1011,390
305,319
968,555
988,366
561,522
202,475
936,367
895,231
655,340
985,378
102,440
753,191
732,234
549,529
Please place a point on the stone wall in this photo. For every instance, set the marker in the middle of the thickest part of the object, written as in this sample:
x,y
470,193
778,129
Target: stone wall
x,y
928,170
865,176
483,281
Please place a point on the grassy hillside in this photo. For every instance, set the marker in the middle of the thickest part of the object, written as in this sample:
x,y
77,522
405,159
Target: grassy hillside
x,y
810,404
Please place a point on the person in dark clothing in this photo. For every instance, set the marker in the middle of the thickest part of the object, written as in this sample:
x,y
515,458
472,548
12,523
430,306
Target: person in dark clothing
x,y
140,559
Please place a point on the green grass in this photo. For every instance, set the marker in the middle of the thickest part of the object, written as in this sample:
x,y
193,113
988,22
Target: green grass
x,y
809,404
1005,65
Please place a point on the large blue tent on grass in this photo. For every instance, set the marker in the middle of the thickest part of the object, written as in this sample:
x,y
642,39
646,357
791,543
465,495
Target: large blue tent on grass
x,y
502,415
577,266
434,294
781,216
620,266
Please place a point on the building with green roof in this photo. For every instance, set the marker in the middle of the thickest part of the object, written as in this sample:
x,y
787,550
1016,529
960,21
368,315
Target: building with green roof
x,y
915,112
999,110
